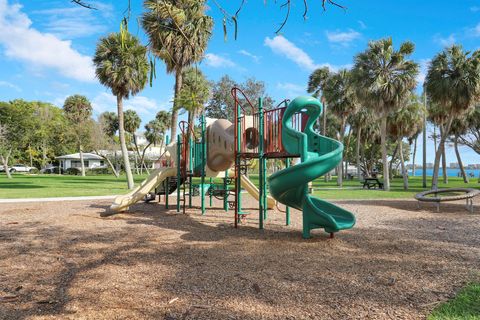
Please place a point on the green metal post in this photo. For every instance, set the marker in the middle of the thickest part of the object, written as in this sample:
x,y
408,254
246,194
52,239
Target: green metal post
x,y
287,211
210,195
166,192
225,188
202,173
238,183
179,174
261,173
167,140
190,169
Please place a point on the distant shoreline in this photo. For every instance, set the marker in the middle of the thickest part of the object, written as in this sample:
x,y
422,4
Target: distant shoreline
x,y
450,172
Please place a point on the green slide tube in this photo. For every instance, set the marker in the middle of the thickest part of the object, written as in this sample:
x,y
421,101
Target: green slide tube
x,y
319,155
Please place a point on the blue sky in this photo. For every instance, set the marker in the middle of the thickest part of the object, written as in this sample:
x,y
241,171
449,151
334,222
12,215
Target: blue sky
x,y
46,46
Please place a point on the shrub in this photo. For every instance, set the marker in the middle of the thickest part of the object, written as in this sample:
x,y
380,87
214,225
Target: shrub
x,y
73,171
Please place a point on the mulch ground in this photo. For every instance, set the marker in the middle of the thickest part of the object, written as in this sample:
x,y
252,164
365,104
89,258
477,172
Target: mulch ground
x,y
66,261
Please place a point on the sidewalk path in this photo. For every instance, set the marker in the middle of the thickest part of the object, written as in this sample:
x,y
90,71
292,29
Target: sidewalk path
x,y
56,199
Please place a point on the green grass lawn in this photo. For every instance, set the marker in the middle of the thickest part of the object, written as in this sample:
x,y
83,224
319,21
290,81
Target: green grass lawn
x,y
39,186
465,306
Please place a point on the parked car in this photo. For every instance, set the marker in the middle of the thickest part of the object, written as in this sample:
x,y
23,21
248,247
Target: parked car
x,y
22,168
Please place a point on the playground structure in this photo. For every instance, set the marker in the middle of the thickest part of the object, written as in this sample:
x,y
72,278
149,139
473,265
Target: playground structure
x,y
466,194
226,151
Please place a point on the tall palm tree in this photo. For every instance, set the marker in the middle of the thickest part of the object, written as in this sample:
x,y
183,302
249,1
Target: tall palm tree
x,y
178,32
122,65
78,111
360,120
316,86
385,78
194,93
164,117
132,124
406,122
453,83
340,95
438,117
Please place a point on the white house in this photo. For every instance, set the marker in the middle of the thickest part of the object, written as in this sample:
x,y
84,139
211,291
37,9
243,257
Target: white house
x,y
90,161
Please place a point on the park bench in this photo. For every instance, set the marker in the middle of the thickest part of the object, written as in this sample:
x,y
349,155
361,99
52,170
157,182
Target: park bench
x,y
372,183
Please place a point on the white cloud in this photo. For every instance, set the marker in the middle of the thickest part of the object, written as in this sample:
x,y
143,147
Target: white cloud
x,y
216,61
445,42
362,24
284,47
250,55
291,90
10,85
146,107
41,50
474,32
423,71
343,38
72,22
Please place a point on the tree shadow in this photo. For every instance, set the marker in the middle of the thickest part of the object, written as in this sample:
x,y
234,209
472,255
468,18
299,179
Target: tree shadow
x,y
131,265
19,185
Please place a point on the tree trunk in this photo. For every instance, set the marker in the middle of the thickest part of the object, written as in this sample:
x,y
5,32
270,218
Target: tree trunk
x,y
383,134
402,163
142,163
395,151
110,164
357,152
444,161
340,166
347,147
123,145
414,155
143,155
82,165
438,153
5,163
459,159
44,154
178,87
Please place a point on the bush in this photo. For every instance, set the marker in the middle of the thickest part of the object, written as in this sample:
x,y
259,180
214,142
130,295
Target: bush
x,y
73,171
97,171
34,171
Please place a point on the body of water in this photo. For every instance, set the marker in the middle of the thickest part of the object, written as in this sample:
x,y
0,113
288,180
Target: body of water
x,y
450,172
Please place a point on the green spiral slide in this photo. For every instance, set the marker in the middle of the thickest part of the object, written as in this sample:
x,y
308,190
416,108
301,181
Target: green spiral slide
x,y
318,155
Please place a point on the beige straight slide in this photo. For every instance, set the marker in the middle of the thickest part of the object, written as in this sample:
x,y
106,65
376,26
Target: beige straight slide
x,y
253,191
121,203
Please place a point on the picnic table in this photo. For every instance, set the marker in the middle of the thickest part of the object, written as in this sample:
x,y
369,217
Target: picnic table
x,y
372,183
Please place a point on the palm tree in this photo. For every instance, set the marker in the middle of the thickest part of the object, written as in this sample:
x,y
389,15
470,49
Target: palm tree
x,y
122,65
178,31
360,120
132,124
163,117
437,116
406,122
340,95
452,83
460,127
385,78
154,134
194,93
316,86
78,111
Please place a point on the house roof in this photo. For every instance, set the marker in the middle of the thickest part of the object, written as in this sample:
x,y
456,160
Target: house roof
x,y
76,156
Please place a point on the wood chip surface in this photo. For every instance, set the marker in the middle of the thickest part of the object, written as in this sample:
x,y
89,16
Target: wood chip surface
x,y
66,261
